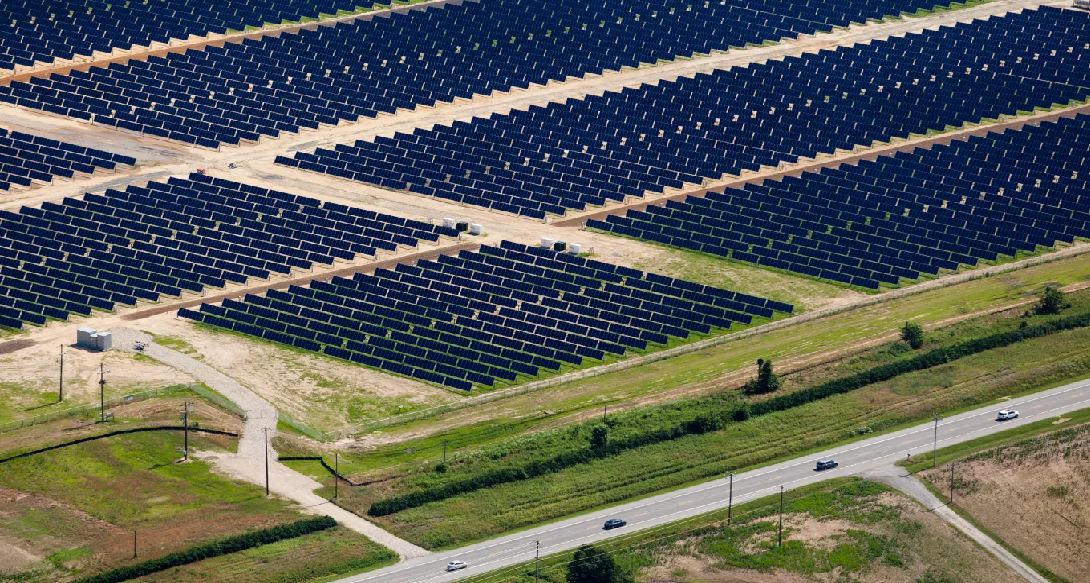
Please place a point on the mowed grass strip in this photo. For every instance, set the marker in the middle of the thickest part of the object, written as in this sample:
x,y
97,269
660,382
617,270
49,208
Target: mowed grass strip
x,y
983,378
712,369
627,425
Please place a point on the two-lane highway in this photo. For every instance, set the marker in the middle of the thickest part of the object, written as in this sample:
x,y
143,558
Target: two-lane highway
x,y
673,506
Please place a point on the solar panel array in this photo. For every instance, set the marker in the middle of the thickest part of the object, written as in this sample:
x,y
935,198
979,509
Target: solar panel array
x,y
898,216
261,88
62,29
168,237
479,317
602,148
25,158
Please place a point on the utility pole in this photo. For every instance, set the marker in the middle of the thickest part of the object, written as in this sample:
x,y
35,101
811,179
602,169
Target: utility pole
x,y
935,447
102,390
951,482
781,516
185,431
336,473
605,412
134,544
60,391
537,556
266,461
444,451
730,498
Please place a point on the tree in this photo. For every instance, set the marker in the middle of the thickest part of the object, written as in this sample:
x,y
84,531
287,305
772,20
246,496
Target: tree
x,y
1052,301
912,333
766,380
590,565
599,436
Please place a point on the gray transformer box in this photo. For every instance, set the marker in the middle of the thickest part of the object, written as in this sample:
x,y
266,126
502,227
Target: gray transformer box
x,y
84,338
89,338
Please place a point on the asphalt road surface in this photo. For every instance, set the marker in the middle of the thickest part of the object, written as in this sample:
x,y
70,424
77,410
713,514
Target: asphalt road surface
x,y
650,512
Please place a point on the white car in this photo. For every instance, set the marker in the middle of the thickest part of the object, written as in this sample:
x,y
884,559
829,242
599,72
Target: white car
x,y
455,565
1006,414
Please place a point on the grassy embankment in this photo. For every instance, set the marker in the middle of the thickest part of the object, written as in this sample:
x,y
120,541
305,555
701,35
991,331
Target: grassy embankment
x,y
979,379
712,369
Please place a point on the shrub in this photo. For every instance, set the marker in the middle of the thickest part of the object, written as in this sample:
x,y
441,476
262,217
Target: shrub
x,y
590,565
912,334
599,436
1052,301
214,549
766,381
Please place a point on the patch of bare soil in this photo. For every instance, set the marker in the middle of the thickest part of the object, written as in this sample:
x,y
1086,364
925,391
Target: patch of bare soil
x,y
34,527
1035,496
30,377
317,390
924,542
684,568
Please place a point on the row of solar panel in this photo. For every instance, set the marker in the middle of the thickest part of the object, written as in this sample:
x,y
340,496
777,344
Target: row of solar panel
x,y
25,158
184,235
373,66
896,216
464,318
569,155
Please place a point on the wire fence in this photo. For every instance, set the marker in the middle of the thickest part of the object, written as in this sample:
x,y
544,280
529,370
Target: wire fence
x,y
94,409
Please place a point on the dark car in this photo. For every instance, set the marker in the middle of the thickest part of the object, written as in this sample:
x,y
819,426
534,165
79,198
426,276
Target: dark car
x,y
614,523
825,465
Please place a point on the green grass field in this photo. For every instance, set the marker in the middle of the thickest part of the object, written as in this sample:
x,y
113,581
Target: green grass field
x,y
696,373
972,381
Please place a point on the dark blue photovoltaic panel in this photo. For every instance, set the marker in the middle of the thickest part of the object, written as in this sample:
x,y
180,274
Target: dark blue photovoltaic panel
x,y
479,317
603,148
25,158
897,216
120,247
361,68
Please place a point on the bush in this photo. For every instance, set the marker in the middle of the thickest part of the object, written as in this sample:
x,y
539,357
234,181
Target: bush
x,y
912,334
599,437
1052,301
766,381
590,565
741,414
214,549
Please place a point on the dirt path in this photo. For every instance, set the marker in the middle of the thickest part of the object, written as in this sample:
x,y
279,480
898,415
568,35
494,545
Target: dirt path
x,y
141,53
827,161
907,483
254,457
304,280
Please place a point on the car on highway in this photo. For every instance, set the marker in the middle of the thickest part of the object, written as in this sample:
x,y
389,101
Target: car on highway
x,y
614,523
456,565
1006,414
825,465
